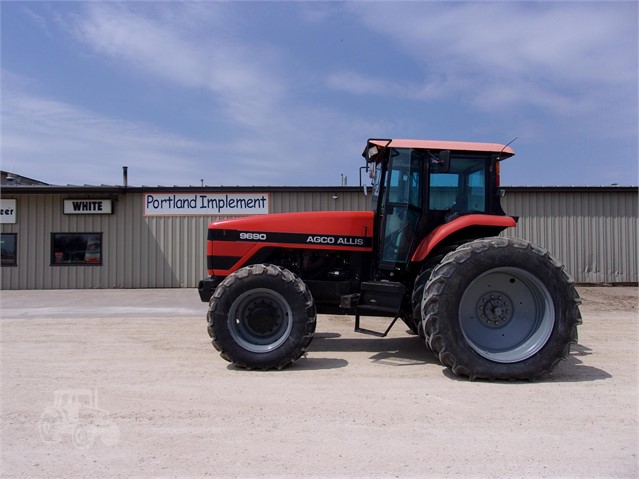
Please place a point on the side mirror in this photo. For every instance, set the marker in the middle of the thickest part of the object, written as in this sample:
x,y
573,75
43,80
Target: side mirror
x,y
371,175
441,163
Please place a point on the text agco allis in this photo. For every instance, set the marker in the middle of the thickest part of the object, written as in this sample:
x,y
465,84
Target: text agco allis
x,y
310,239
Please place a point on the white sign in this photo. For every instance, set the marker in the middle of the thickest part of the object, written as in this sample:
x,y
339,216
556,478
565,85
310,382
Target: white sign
x,y
8,211
88,207
206,204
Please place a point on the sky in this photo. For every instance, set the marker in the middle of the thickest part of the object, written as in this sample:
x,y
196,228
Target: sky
x,y
287,93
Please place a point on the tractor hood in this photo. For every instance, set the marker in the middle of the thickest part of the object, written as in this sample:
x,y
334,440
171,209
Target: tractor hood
x,y
232,243
349,223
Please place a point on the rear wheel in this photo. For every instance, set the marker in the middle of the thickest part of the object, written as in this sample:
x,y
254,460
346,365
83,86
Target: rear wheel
x,y
506,315
261,317
500,308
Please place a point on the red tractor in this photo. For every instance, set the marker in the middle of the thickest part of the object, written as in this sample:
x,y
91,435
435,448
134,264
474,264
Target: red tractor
x,y
427,253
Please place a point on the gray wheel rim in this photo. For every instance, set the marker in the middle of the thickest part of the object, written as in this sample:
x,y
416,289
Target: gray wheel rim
x,y
506,315
260,320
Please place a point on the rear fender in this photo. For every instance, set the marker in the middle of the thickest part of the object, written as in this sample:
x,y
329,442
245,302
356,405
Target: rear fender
x,y
486,224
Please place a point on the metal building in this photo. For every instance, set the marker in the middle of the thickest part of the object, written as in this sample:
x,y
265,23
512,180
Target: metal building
x,y
138,248
56,237
592,230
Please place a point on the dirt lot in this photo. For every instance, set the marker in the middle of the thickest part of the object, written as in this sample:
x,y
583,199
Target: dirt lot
x,y
126,383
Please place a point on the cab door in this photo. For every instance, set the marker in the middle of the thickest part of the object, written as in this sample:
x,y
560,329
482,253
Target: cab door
x,y
401,209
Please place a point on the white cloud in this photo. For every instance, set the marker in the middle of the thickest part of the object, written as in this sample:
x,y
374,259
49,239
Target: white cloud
x,y
168,44
358,84
194,46
319,12
38,20
275,118
271,136
59,143
505,54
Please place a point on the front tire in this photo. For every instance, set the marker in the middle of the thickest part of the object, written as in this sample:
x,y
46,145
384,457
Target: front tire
x,y
500,308
261,317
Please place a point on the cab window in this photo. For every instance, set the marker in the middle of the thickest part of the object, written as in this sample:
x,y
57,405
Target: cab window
x,y
462,188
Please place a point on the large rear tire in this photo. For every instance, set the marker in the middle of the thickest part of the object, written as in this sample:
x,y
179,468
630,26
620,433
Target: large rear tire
x,y
261,317
420,284
500,308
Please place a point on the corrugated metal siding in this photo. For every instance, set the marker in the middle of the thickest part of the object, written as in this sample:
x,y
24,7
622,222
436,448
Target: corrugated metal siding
x,y
283,202
593,232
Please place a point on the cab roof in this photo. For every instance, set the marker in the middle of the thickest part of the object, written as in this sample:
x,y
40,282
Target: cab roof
x,y
505,151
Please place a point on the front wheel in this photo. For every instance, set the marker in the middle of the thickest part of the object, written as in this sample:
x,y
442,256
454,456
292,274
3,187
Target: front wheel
x,y
500,308
261,317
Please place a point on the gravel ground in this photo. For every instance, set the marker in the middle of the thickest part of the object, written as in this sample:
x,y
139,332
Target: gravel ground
x,y
101,383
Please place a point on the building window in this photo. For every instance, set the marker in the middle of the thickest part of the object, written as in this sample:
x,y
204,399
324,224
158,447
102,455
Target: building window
x,y
9,245
76,248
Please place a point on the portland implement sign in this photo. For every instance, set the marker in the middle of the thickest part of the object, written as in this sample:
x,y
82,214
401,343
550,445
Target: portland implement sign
x,y
205,204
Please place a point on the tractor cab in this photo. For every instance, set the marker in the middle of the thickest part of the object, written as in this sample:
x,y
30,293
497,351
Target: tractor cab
x,y
420,186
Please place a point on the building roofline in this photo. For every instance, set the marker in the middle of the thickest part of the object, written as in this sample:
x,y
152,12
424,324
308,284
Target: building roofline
x,y
606,188
110,189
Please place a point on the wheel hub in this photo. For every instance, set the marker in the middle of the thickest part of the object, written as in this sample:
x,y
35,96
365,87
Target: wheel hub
x,y
263,318
495,309
260,320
